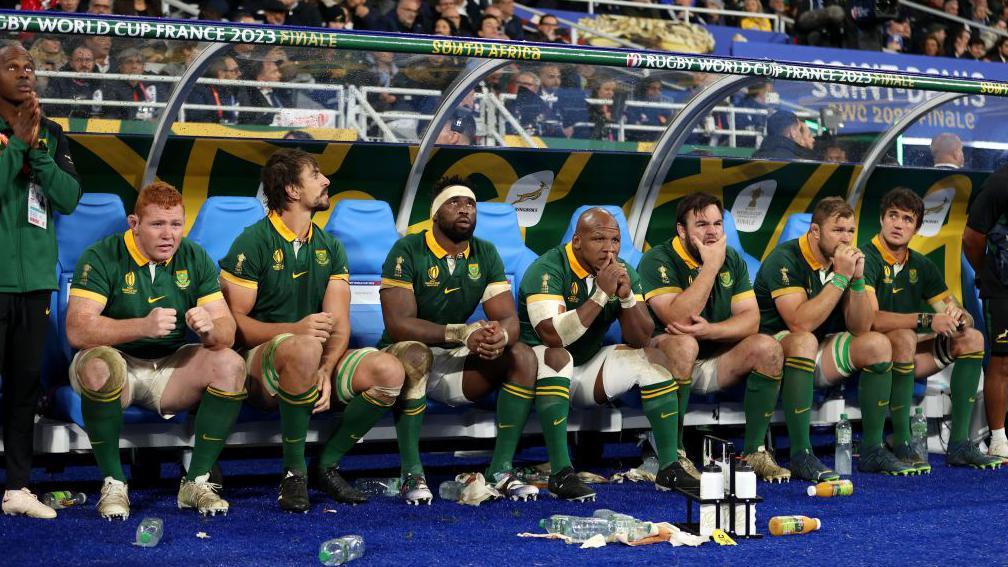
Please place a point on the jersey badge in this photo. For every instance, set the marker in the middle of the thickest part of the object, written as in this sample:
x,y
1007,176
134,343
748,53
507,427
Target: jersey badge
x,y
888,275
432,277
85,272
130,280
278,263
913,275
573,297
663,274
182,279
398,267
239,263
322,257
726,279
474,271
784,276
545,284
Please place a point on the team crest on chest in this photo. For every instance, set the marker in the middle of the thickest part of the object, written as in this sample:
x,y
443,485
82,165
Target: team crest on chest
x,y
573,297
130,280
663,274
432,277
913,275
474,271
182,278
322,257
726,279
278,263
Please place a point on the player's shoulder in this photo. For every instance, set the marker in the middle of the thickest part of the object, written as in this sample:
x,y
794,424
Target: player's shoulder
x,y
784,252
483,247
411,242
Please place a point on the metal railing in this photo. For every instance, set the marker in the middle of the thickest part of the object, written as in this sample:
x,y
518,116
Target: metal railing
x,y
950,17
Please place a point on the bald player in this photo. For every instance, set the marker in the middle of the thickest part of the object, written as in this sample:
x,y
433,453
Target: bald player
x,y
568,299
432,283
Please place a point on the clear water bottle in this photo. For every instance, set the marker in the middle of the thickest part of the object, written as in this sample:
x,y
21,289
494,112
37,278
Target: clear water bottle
x,y
341,550
919,433
379,486
63,499
650,464
618,523
581,529
844,446
149,532
451,490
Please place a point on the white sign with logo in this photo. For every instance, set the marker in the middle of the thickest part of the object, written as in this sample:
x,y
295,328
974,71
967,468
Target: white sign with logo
x,y
306,118
365,292
528,196
936,208
752,204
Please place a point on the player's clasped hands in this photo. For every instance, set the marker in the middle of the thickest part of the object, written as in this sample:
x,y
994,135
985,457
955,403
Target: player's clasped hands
x,y
160,322
608,277
489,341
199,320
318,325
848,262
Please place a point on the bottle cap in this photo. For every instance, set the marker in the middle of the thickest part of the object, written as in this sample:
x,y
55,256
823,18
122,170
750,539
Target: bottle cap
x,y
843,416
811,491
818,524
712,468
919,410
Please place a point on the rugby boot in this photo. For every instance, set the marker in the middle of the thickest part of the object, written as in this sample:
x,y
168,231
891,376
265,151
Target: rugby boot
x,y
905,453
339,489
565,485
880,460
808,467
966,454
414,490
765,467
688,465
114,501
676,476
202,495
24,503
294,492
511,487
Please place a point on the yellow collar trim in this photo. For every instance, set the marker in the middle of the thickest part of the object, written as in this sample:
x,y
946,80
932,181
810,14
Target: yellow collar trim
x,y
135,253
680,249
436,248
579,271
806,250
889,258
283,229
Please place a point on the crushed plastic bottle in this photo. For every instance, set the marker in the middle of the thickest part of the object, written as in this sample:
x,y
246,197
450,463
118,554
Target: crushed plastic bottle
x,y
340,550
149,532
379,486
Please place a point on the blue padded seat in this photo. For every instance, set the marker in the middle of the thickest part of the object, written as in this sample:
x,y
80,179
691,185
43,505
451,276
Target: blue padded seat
x,y
498,223
731,234
796,225
220,220
367,230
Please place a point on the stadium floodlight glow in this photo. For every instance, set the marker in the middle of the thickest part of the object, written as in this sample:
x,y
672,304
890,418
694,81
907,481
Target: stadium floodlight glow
x,y
293,36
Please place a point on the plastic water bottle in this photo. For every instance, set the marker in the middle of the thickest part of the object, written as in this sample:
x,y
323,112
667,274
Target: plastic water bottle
x,y
618,523
793,525
581,529
556,524
63,499
451,490
379,486
650,464
844,446
149,532
832,488
341,550
919,433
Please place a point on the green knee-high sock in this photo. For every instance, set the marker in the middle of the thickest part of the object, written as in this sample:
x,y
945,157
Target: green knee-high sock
x,y
408,423
661,403
760,400
216,416
900,400
685,385
552,402
359,417
796,401
295,413
514,402
873,395
965,379
103,417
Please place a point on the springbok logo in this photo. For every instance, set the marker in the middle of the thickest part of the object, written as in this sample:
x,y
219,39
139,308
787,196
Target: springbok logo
x,y
528,196
531,195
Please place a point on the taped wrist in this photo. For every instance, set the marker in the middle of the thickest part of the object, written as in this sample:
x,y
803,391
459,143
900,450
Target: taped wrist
x,y
458,333
840,281
924,321
568,327
858,285
600,297
628,302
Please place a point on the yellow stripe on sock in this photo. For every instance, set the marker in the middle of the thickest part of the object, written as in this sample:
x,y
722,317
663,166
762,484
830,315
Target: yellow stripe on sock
x,y
971,355
101,397
414,411
557,394
519,391
656,393
237,396
375,401
298,402
562,389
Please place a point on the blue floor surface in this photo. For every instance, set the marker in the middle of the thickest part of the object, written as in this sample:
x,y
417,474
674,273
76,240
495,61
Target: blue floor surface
x,y
952,517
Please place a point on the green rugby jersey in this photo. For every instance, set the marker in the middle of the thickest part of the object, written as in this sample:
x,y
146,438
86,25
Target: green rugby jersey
x,y
115,273
558,276
289,286
792,268
669,268
909,287
418,263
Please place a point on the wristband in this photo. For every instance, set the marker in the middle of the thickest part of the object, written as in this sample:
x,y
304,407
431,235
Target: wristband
x,y
628,302
924,321
458,333
858,285
841,282
600,297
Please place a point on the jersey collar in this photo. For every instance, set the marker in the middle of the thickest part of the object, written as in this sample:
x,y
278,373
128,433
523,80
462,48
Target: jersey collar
x,y
806,251
285,232
579,271
135,253
684,254
436,248
886,255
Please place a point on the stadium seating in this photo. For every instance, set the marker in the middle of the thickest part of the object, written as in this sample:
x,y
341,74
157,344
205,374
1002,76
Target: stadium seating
x,y
220,220
796,225
367,230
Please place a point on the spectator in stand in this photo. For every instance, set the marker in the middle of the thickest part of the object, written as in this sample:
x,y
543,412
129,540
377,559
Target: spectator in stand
x,y
180,57
81,61
897,35
461,131
648,90
429,73
130,62
362,17
100,7
711,19
951,7
603,115
337,17
264,71
512,24
977,49
931,46
940,33
404,19
579,76
444,27
980,13
100,47
960,44
782,9
449,10
47,53
833,151
947,151
754,23
787,138
820,23
292,13
755,98
490,28
1000,52
546,30
65,6
223,97
138,8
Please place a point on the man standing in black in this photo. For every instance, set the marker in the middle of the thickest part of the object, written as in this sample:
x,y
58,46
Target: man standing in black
x,y
37,176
